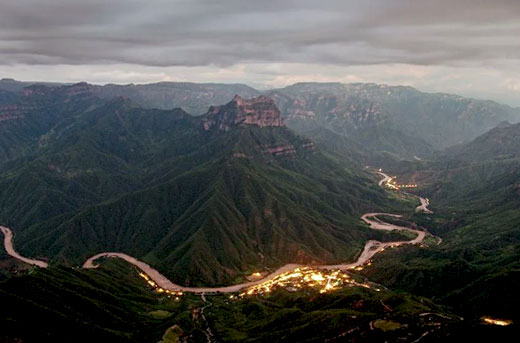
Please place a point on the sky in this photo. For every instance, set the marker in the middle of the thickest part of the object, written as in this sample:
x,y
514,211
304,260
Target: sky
x,y
467,47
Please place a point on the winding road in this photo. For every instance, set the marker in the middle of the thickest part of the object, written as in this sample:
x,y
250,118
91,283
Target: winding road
x,y
425,202
384,180
9,248
372,247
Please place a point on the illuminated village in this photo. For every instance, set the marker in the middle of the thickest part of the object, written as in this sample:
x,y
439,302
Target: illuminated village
x,y
306,278
498,322
393,185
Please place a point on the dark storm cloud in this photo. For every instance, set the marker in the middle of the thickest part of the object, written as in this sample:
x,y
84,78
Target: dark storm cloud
x,y
198,33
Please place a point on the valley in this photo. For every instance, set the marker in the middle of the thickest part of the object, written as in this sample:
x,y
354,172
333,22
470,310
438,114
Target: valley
x,y
371,248
282,227
259,172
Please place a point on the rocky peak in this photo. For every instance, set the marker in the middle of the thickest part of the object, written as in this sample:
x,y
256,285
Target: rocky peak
x,y
81,88
77,89
36,90
260,111
503,124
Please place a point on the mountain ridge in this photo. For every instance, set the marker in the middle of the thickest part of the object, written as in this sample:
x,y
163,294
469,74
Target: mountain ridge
x,y
201,206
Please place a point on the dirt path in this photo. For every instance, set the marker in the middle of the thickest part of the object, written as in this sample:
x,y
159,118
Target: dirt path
x,y
384,180
425,202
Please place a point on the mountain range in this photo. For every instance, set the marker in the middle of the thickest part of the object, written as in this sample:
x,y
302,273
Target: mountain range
x,y
398,120
203,199
209,182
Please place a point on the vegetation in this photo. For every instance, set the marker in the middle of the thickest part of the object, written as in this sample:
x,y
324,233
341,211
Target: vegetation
x,y
201,206
81,175
113,304
397,120
476,200
110,305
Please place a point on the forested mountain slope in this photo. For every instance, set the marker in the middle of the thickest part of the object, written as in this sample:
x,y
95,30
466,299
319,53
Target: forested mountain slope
x,y
201,198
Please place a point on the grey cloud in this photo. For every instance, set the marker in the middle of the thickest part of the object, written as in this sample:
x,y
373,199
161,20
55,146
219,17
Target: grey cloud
x,y
223,33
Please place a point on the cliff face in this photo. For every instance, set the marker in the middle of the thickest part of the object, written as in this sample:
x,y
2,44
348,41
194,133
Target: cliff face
x,y
260,111
396,115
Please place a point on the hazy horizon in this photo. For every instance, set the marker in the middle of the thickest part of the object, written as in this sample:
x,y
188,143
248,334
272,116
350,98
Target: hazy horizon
x,y
462,47
260,88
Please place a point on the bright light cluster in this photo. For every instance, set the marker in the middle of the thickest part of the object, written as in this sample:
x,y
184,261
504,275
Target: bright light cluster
x,y
306,278
497,321
158,289
393,185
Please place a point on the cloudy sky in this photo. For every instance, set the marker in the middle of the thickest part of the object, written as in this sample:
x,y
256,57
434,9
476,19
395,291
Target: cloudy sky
x,y
469,47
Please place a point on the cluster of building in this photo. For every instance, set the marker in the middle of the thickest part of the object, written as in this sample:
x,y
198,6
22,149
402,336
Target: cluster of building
x,y
496,321
393,185
305,278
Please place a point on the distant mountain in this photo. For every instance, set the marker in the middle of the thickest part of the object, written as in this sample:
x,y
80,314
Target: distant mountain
x,y
397,119
483,167
26,116
194,98
11,85
203,199
500,142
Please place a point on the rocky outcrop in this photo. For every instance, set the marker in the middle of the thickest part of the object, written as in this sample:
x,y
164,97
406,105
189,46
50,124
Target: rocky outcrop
x,y
386,117
13,112
36,90
80,89
309,146
77,89
260,111
279,150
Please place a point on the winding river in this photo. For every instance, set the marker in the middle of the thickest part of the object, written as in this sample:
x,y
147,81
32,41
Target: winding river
x,y
372,247
9,248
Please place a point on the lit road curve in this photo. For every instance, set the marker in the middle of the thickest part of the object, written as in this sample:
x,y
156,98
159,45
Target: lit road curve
x,y
385,178
423,207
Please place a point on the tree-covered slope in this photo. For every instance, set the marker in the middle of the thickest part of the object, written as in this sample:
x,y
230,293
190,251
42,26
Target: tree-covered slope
x,y
476,198
397,119
202,199
500,142
113,304
108,305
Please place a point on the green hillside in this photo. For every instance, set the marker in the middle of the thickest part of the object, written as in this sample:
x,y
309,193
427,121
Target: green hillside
x,y
202,205
396,119
476,198
112,304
